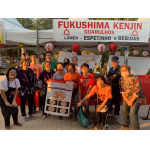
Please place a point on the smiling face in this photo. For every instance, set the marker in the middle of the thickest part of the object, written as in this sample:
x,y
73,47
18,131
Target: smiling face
x,y
60,68
48,56
70,69
84,70
100,82
114,63
12,73
47,66
34,58
25,65
75,60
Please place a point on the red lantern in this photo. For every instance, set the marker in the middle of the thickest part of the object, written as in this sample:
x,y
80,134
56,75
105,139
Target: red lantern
x,y
101,48
49,47
2,45
112,47
75,47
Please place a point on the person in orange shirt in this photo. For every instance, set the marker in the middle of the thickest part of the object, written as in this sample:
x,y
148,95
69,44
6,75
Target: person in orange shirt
x,y
37,69
104,93
73,76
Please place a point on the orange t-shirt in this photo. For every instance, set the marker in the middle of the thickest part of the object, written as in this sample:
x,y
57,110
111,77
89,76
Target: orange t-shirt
x,y
72,78
37,69
102,93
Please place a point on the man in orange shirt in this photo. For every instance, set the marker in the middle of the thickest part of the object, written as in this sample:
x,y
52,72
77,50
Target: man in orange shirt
x,y
37,69
73,76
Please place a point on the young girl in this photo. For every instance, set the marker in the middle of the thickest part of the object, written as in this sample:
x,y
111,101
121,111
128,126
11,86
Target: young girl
x,y
8,92
103,92
43,78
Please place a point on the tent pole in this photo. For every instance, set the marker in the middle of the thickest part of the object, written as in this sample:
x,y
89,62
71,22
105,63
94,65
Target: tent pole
x,y
37,49
126,54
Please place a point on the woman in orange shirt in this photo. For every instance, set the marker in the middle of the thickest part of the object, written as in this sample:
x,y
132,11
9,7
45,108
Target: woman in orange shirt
x,y
73,76
103,92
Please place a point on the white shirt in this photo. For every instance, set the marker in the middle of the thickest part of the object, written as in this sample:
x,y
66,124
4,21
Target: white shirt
x,y
4,84
78,69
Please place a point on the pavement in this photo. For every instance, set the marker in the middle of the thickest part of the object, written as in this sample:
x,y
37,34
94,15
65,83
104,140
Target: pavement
x,y
53,123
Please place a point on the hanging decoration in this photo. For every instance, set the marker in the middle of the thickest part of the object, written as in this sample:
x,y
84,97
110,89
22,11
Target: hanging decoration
x,y
49,47
21,45
145,53
2,45
117,53
24,54
135,52
112,47
101,48
92,55
84,54
75,47
73,53
13,55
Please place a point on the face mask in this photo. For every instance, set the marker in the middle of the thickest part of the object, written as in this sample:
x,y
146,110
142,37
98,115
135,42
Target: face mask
x,y
125,74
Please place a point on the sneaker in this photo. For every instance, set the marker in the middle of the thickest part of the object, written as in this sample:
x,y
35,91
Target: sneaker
x,y
44,116
105,127
8,128
24,118
90,126
18,124
97,127
32,117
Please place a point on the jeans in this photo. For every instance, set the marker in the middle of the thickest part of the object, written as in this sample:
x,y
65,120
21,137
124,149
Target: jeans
x,y
30,105
133,110
7,119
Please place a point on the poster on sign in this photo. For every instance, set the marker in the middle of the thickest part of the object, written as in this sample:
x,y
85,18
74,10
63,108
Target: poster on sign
x,y
58,98
2,33
100,31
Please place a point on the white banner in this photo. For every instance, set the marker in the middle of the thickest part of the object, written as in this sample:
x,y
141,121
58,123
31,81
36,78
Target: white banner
x,y
2,33
100,31
58,98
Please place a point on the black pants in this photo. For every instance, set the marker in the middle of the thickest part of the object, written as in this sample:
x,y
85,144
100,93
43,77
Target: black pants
x,y
34,105
42,100
87,111
7,119
102,118
30,105
116,99
76,99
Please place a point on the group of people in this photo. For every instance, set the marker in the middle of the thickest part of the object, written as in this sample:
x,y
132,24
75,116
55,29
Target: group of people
x,y
34,77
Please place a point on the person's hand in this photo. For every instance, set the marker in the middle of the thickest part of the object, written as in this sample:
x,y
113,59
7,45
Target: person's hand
x,y
74,84
98,109
8,104
47,82
41,93
79,104
129,103
86,102
14,104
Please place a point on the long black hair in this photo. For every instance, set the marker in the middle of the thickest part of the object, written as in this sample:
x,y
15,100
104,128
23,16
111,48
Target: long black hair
x,y
101,77
7,73
73,66
66,63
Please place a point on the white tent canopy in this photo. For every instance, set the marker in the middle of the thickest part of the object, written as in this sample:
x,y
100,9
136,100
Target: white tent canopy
x,y
140,65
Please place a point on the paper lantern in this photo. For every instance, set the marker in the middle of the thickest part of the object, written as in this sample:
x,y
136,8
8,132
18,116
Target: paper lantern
x,y
21,45
24,54
75,47
49,47
2,45
84,54
112,47
117,53
92,55
101,48
73,53
135,52
145,53
128,52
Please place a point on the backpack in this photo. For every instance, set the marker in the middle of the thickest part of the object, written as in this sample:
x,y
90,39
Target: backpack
x,y
82,119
